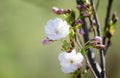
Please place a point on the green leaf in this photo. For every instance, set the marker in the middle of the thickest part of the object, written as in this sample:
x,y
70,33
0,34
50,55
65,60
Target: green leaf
x,y
72,33
85,74
83,52
66,46
70,18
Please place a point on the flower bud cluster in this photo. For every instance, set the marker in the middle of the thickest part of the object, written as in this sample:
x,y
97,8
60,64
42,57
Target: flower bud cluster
x,y
60,11
81,7
85,9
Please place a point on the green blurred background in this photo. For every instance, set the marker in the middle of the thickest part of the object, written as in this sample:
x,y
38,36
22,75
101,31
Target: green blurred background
x,y
22,29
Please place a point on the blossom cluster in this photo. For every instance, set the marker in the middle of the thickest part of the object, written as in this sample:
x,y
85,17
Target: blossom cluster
x,y
71,58
57,29
73,50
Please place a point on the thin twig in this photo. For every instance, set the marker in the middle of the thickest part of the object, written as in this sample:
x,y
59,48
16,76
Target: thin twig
x,y
97,5
107,19
78,40
96,19
90,53
102,57
107,46
91,23
86,58
87,61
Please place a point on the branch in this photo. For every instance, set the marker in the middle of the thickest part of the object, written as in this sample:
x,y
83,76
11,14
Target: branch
x,y
91,26
96,19
90,53
102,57
107,19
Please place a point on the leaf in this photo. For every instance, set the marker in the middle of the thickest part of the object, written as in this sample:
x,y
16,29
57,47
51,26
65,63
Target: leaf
x,y
66,46
72,34
83,52
70,17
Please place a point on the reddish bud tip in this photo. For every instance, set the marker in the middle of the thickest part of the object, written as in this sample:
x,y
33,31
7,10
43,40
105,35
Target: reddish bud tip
x,y
68,10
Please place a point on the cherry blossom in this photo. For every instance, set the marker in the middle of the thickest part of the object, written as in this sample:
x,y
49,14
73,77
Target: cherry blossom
x,y
70,61
56,29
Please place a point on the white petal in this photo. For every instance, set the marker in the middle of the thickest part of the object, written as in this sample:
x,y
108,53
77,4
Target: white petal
x,y
61,56
69,69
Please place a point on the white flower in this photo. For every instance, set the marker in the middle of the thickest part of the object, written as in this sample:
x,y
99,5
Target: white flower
x,y
70,61
56,29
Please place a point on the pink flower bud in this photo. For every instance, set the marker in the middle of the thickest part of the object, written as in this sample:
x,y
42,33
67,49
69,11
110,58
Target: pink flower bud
x,y
46,41
98,39
81,31
60,11
78,21
57,11
54,9
84,7
94,43
78,7
68,11
86,14
101,46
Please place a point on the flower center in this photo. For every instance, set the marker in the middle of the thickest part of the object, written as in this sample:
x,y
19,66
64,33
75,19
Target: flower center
x,y
57,31
71,61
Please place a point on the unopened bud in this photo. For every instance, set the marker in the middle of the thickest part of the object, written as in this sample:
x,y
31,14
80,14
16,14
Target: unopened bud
x,y
78,7
79,21
54,9
101,46
115,17
98,39
81,32
84,7
46,41
60,11
86,14
94,43
57,11
68,11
